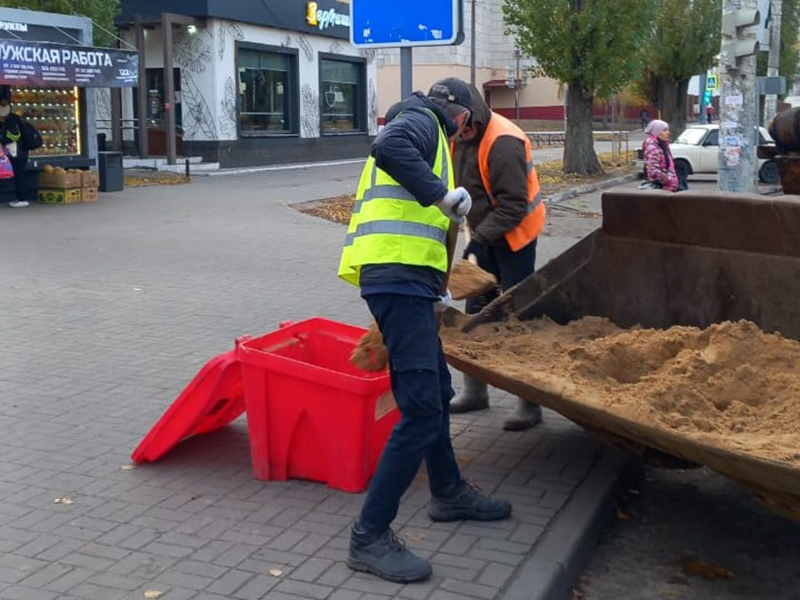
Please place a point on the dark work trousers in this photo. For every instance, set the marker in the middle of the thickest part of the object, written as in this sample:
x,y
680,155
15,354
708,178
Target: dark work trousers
x,y
508,266
19,163
422,390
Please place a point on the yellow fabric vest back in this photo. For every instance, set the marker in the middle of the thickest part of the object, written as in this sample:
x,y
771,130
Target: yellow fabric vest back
x,y
533,223
389,225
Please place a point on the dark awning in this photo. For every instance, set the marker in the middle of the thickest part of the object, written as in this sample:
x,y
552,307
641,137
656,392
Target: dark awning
x,y
495,83
61,65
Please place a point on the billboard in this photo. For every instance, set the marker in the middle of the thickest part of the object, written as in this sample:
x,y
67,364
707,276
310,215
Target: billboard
x,y
46,64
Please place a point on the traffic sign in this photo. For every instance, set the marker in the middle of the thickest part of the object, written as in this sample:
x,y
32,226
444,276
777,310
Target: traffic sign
x,y
378,24
711,82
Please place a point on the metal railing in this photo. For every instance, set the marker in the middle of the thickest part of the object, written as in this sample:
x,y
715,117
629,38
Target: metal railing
x,y
552,139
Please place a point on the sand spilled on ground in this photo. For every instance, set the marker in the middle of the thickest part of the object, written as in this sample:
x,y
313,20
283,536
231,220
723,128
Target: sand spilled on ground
x,y
730,385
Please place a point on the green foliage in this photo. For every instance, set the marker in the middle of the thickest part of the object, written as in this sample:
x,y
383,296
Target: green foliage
x,y
685,40
595,43
102,12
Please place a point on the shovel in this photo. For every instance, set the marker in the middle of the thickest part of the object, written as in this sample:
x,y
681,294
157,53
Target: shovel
x,y
465,280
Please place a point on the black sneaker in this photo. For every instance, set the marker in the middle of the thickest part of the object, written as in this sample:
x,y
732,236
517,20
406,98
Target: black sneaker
x,y
468,503
386,556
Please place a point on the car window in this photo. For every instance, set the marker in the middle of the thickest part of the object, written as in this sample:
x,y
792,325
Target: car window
x,y
712,139
764,138
692,136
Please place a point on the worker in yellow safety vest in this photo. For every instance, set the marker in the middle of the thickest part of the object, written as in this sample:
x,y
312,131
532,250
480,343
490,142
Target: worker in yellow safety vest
x,y
396,252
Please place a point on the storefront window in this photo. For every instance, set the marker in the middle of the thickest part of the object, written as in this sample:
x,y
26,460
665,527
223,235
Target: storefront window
x,y
264,91
341,91
55,112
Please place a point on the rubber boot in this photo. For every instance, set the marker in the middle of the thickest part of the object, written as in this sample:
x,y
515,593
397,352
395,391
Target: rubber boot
x,y
525,416
474,396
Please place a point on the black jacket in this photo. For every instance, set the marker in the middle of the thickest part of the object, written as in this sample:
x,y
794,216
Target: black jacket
x,y
508,177
406,150
13,124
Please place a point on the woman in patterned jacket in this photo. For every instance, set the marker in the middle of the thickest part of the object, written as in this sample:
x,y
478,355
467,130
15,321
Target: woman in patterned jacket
x,y
659,168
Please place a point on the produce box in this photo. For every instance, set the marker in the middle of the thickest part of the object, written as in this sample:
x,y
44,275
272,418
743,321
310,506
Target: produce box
x,y
89,194
90,179
60,179
59,195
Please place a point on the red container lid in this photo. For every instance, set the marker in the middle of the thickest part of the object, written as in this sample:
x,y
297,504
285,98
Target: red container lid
x,y
214,398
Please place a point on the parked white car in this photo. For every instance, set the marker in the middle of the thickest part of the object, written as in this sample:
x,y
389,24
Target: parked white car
x,y
696,150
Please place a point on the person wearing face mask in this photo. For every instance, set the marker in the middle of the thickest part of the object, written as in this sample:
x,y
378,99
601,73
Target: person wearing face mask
x,y
10,140
492,159
659,168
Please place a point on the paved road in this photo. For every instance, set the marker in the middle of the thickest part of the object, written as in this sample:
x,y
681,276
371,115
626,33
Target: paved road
x,y
110,308
669,518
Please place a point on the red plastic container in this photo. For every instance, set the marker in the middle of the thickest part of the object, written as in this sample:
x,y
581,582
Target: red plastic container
x,y
310,412
212,399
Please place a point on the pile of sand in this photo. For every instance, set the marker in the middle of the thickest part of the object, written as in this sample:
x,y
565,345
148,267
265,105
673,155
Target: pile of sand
x,y
731,385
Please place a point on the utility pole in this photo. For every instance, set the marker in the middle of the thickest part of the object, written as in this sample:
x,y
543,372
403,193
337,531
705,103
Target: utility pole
x,y
738,99
517,84
701,110
773,62
472,44
406,72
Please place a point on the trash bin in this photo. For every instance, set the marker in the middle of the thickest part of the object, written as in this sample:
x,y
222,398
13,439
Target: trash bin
x,y
112,175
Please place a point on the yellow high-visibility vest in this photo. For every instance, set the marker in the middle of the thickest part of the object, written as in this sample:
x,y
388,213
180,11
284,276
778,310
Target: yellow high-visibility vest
x,y
388,225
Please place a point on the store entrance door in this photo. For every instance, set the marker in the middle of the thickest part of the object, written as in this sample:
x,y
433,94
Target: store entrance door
x,y
156,115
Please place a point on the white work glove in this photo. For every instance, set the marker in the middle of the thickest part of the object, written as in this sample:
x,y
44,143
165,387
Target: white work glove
x,y
443,303
456,204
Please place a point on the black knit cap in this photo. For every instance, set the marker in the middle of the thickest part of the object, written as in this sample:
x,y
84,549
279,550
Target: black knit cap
x,y
453,90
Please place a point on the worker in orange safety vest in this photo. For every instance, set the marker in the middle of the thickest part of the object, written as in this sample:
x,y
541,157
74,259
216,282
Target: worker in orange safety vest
x,y
492,160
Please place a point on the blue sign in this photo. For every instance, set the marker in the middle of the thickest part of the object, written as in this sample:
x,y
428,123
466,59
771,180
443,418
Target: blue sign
x,y
377,23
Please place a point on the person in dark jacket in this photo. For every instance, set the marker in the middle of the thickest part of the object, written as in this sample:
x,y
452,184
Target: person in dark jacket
x,y
10,140
492,218
396,252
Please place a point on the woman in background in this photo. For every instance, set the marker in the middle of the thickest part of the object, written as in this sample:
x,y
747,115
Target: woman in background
x,y
659,168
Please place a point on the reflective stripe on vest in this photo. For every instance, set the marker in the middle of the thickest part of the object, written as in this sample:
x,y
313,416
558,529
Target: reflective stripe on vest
x,y
533,223
389,225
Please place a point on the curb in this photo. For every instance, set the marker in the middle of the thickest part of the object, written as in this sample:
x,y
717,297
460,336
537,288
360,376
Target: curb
x,y
286,167
556,563
585,189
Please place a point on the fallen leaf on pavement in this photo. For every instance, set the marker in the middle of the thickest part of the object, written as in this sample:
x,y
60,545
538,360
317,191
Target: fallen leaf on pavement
x,y
275,572
696,568
153,594
63,500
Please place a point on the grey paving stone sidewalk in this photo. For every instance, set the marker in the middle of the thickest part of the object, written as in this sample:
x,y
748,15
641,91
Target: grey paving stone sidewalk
x,y
111,308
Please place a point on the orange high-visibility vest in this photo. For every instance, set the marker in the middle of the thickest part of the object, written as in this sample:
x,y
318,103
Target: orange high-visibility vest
x,y
533,223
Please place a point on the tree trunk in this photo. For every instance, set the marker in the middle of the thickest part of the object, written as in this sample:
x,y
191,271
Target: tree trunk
x,y
579,155
672,104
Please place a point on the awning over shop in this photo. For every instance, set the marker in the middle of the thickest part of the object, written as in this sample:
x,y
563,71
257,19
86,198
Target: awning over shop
x,y
48,64
495,83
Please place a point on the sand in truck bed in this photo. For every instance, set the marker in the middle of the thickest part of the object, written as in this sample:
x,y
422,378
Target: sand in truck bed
x,y
730,385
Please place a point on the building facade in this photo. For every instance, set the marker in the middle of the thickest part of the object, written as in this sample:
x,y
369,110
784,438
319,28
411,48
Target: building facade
x,y
496,63
254,82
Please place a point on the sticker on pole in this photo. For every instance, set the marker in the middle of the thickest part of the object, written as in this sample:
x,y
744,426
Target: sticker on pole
x,y
415,23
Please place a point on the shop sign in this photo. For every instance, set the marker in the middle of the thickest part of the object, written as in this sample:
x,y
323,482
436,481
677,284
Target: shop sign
x,y
324,18
47,64
9,26
420,23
